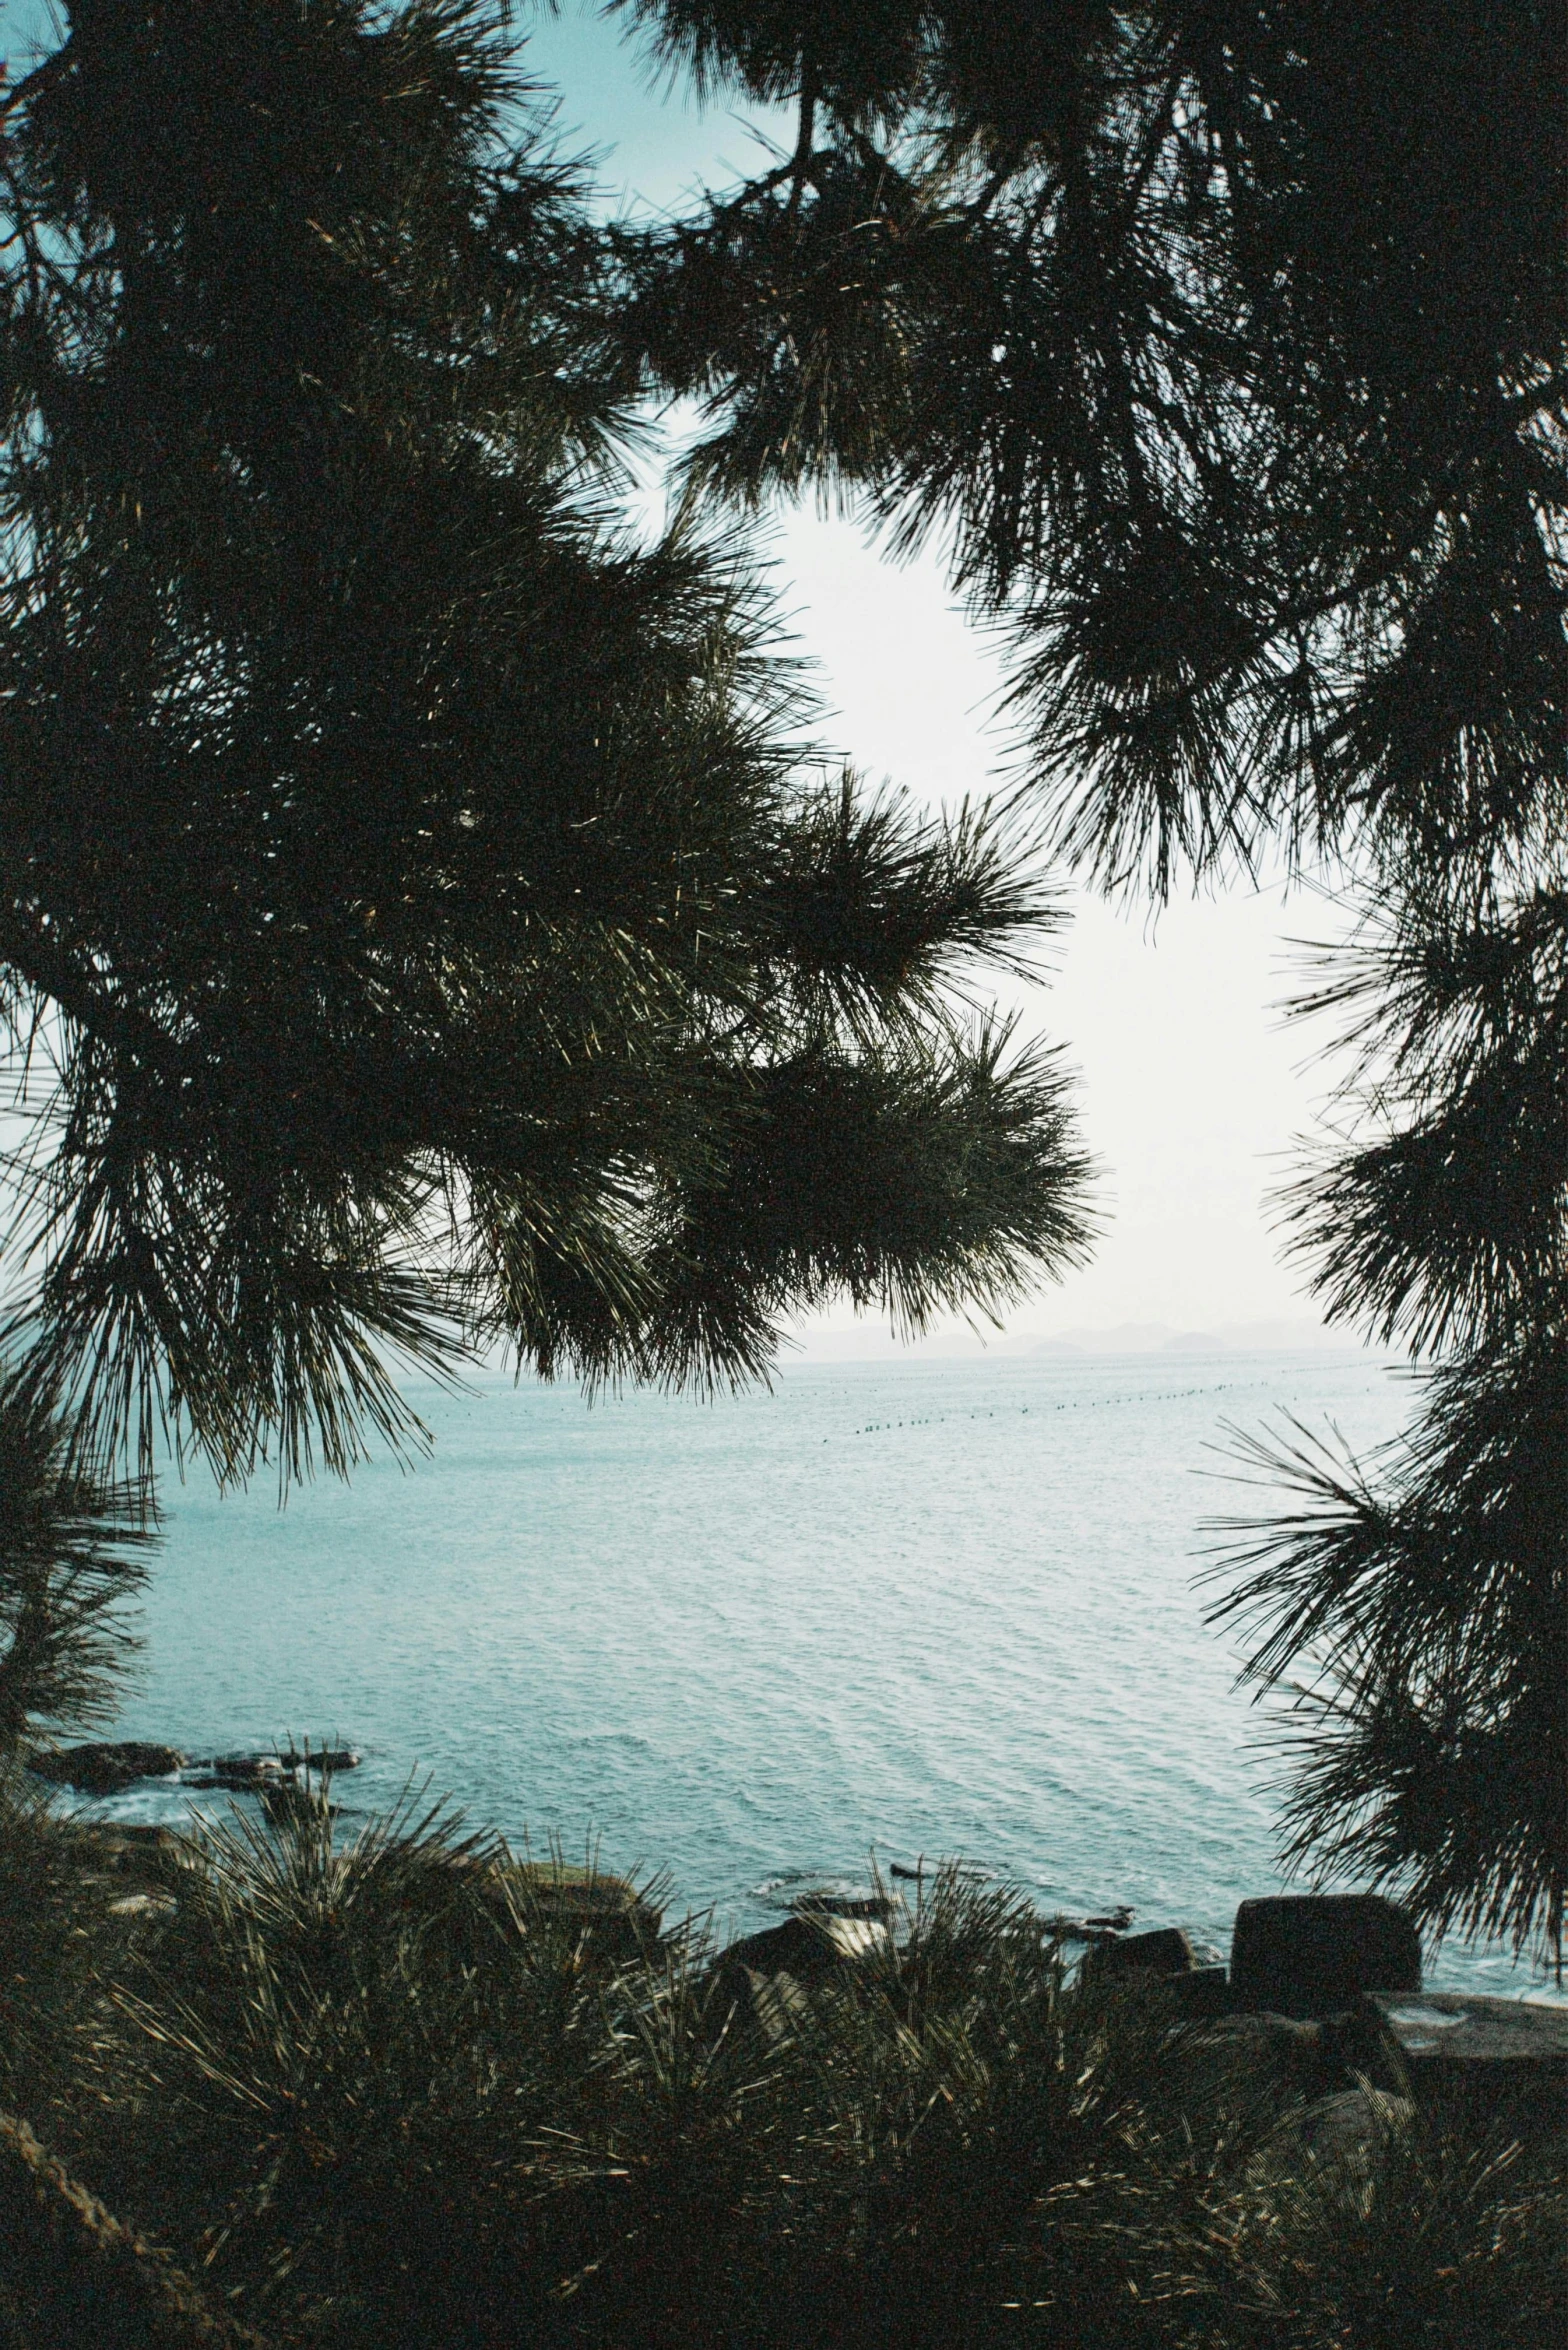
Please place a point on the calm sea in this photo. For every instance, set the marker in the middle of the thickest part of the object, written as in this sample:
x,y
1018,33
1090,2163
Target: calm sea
x,y
927,1608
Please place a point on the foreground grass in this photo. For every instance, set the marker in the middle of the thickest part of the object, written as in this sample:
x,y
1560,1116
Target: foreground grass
x,y
397,2091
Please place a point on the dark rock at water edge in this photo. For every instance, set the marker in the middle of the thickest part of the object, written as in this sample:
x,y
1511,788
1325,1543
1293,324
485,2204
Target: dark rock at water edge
x,y
288,1796
953,1872
105,1767
247,1769
1316,1954
319,1758
1164,1955
1099,1931
241,1774
240,1769
880,1906
807,1946
1163,1951
570,1889
611,1913
1203,1991
109,1766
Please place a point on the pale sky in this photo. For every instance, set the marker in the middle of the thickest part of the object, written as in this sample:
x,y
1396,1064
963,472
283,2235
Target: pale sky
x,y
1192,1092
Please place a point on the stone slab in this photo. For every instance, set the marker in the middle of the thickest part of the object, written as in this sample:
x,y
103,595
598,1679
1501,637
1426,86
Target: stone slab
x,y
1483,2064
1459,2027
1203,1991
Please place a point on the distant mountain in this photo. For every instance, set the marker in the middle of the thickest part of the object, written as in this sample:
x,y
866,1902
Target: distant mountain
x,y
1286,1337
1124,1338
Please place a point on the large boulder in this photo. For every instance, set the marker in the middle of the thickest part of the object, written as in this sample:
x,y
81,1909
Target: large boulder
x,y
241,1771
1164,1951
1316,1954
773,1974
241,1774
131,1848
882,1906
105,1767
1165,1954
1477,2057
1305,2058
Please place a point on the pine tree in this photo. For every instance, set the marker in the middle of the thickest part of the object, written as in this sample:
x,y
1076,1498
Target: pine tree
x,y
423,926
1224,344
72,1555
1414,1621
1224,348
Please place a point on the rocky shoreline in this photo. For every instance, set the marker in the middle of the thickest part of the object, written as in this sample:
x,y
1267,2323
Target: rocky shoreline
x,y
1324,1987
109,1767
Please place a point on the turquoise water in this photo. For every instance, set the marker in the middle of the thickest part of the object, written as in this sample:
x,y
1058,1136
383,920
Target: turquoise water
x,y
919,1608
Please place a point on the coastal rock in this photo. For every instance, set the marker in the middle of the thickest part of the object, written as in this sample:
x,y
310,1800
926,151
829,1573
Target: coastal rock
x,y
1071,1929
129,1848
319,1758
287,1797
1163,1951
105,1767
610,1911
774,1973
242,1773
878,1906
1477,2056
1166,1954
807,1946
1307,2056
1315,1954
1203,1991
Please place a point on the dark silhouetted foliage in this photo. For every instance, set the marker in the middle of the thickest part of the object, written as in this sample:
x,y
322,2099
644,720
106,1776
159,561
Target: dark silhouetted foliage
x,y
1223,350
422,924
1418,1620
72,1554
1225,345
